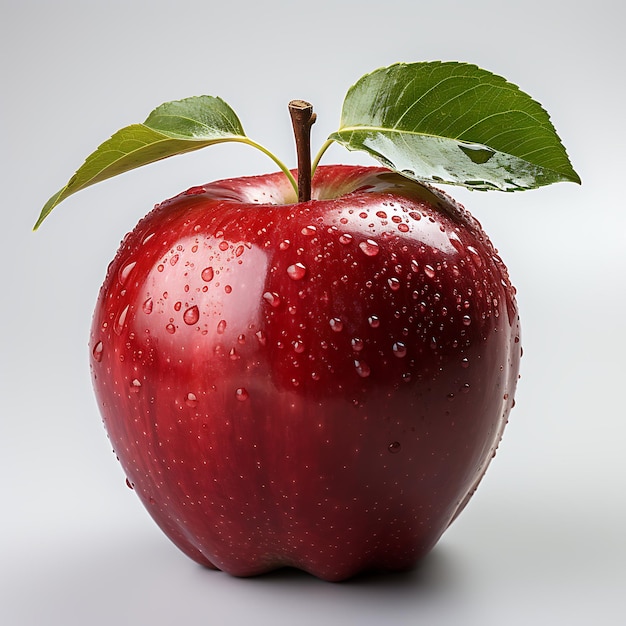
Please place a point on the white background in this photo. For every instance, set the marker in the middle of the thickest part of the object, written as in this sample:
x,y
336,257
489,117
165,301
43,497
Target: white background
x,y
543,540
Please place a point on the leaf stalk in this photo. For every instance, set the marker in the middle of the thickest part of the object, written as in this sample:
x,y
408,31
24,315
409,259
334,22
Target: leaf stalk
x,y
274,158
320,154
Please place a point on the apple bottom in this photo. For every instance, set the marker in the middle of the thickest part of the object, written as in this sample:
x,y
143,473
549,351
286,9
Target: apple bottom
x,y
335,487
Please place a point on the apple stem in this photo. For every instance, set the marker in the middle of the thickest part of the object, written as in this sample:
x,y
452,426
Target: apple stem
x,y
302,118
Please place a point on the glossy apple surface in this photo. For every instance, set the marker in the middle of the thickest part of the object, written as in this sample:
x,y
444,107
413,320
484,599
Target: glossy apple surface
x,y
319,385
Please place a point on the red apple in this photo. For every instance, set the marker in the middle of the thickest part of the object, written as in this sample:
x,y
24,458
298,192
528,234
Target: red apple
x,y
317,372
316,384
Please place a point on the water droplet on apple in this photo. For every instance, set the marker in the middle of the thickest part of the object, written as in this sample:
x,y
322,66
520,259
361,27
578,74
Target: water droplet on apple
x,y
467,320
174,260
308,231
207,274
357,344
191,315
129,484
373,321
362,369
297,271
241,394
194,191
118,327
135,385
272,298
284,244
260,335
124,273
429,270
394,284
298,347
403,228
345,239
239,250
394,447
465,362
223,246
221,327
475,256
369,247
178,306
336,324
170,328
456,242
191,400
97,351
147,306
399,349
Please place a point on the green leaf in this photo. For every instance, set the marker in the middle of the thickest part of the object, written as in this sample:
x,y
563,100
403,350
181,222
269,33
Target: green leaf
x,y
172,128
454,123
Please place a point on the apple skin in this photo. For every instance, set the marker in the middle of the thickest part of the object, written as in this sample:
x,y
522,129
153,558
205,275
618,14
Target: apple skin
x,y
318,385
